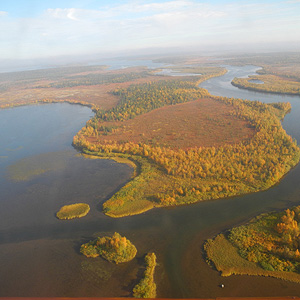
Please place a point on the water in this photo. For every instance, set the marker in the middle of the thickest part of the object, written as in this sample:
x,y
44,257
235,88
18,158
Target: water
x,y
170,72
40,255
115,64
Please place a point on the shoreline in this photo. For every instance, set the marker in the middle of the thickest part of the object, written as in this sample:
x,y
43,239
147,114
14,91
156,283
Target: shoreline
x,y
260,90
48,101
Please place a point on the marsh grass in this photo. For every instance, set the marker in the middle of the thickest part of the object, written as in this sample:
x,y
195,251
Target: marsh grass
x,y
73,211
30,167
227,260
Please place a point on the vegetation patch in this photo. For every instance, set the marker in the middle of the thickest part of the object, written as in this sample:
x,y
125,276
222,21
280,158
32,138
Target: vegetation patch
x,y
116,249
175,176
268,246
30,167
146,288
77,210
201,123
271,84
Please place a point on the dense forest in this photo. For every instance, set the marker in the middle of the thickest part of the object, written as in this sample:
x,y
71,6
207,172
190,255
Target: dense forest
x,y
199,173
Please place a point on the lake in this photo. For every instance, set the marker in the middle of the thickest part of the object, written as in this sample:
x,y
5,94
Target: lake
x,y
40,254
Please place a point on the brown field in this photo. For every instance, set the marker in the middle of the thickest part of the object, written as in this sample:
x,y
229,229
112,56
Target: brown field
x,y
23,91
201,123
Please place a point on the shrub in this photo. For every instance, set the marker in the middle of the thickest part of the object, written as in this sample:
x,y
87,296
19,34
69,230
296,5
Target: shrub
x,y
116,249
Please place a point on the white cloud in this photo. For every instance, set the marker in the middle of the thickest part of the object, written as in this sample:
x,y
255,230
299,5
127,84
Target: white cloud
x,y
67,13
3,13
138,24
293,1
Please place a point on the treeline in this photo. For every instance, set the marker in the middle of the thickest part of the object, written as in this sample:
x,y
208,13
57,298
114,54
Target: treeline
x,y
272,84
94,79
272,241
139,99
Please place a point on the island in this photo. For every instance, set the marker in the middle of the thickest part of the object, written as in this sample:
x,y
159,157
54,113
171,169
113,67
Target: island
x,y
116,249
268,245
72,211
188,146
269,83
146,288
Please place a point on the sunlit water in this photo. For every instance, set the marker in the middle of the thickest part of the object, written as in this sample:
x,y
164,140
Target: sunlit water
x,y
40,255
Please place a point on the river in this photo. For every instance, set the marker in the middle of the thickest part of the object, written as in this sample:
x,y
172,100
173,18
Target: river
x,y
40,255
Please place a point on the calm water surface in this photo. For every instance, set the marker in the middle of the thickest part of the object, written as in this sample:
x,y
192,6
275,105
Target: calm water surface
x,y
39,254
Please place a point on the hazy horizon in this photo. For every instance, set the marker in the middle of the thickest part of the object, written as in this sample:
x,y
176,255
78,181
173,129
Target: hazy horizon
x,y
72,31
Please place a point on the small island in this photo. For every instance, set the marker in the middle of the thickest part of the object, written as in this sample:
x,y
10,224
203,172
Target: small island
x,y
116,249
268,246
146,288
77,210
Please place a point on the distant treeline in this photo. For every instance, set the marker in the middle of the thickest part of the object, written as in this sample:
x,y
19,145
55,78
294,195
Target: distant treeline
x,y
94,79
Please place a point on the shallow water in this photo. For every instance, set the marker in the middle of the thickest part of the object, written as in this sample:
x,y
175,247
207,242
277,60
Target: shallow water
x,y
40,255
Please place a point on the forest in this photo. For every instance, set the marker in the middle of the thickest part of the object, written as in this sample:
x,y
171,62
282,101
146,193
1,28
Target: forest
x,y
184,176
95,79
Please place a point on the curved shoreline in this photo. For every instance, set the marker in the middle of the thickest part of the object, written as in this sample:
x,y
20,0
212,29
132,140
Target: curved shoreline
x,y
47,101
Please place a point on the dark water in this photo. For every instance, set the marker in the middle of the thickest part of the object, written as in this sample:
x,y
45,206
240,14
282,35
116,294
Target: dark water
x,y
39,254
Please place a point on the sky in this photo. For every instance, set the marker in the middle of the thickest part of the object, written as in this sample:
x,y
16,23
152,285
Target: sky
x,y
40,28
